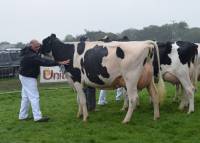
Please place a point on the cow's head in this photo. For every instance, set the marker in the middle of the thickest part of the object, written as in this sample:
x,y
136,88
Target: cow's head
x,y
48,44
51,48
54,48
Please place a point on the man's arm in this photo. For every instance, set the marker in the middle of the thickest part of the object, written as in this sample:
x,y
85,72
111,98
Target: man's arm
x,y
46,62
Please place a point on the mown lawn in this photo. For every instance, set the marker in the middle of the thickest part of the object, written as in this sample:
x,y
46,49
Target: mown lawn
x,y
13,84
103,126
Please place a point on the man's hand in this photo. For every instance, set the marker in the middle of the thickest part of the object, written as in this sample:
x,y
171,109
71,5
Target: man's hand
x,y
64,62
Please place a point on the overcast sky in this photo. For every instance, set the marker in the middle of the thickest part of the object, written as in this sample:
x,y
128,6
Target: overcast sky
x,y
23,20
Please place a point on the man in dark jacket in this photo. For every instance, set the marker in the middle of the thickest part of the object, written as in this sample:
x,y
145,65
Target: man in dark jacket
x,y
29,71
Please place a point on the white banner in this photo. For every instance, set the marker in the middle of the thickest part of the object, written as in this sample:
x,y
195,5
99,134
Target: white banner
x,y
51,74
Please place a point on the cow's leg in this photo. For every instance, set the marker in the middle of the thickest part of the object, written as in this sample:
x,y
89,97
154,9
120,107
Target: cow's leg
x,y
154,98
125,105
184,101
177,92
80,111
189,91
82,101
138,102
133,97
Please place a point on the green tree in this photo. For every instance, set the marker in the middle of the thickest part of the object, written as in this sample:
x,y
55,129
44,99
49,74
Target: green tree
x,y
167,32
192,35
69,38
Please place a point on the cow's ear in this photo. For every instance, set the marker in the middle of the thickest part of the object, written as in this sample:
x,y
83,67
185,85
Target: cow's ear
x,y
53,35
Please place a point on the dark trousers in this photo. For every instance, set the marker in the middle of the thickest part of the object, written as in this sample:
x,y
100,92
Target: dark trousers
x,y
90,94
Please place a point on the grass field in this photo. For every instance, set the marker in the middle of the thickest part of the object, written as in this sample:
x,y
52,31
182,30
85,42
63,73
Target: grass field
x,y
103,126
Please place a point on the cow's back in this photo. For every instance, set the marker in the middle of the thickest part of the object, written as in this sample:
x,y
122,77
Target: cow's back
x,y
102,63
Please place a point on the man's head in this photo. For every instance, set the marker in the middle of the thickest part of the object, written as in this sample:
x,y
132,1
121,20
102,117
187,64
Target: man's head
x,y
35,45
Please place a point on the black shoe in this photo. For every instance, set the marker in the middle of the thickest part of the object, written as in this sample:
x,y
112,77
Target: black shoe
x,y
43,119
26,119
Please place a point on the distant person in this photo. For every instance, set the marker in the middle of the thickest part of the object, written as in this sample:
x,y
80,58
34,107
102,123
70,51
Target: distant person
x,y
29,71
102,96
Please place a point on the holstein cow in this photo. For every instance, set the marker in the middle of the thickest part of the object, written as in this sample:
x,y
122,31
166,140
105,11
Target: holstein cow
x,y
145,81
198,65
104,65
176,59
194,76
178,62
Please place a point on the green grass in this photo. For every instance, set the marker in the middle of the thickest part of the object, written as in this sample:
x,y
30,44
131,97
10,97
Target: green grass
x,y
103,126
13,84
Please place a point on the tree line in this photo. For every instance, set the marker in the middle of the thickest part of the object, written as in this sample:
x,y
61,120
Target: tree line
x,y
166,32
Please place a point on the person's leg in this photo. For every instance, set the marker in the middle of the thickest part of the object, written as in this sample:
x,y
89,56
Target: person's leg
x,y
90,98
102,97
23,113
30,87
119,93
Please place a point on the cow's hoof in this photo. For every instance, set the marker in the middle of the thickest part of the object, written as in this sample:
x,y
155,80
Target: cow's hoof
x,y
125,122
175,100
181,107
79,116
189,112
156,118
85,120
124,109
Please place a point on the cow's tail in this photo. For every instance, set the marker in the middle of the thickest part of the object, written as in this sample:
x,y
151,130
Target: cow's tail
x,y
194,73
160,84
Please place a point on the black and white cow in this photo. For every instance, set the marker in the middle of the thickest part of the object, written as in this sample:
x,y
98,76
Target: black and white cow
x,y
180,65
177,59
198,64
194,76
104,65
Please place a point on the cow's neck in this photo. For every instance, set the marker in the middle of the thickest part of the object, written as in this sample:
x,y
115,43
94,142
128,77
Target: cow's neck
x,y
63,51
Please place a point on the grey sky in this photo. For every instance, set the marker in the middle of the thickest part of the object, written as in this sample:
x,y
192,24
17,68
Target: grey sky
x,y
22,20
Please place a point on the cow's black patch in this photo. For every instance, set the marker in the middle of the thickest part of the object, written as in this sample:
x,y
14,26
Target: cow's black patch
x,y
120,53
189,64
93,64
65,52
61,52
82,66
75,73
144,62
151,53
164,50
81,48
187,52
